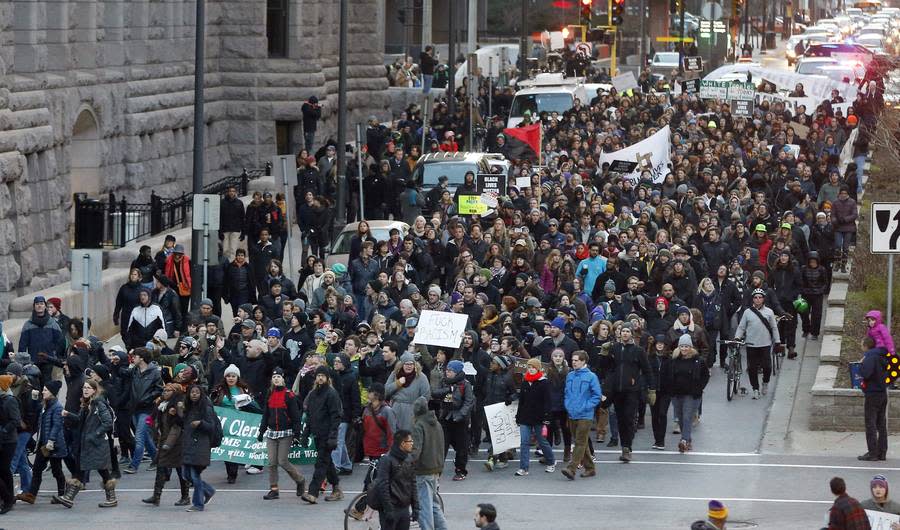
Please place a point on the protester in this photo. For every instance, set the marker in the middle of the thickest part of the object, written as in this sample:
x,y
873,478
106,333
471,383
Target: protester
x,y
846,512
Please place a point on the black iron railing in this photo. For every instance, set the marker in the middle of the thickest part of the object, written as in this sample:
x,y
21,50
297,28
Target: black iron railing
x,y
113,223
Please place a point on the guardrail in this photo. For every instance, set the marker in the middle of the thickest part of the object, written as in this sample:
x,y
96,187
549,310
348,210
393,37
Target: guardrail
x,y
112,223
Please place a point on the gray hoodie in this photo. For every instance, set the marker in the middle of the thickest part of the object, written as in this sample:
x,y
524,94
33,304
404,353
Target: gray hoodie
x,y
428,440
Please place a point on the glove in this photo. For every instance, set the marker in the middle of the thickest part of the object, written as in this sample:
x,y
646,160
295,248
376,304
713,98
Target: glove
x,y
50,445
259,437
508,402
651,397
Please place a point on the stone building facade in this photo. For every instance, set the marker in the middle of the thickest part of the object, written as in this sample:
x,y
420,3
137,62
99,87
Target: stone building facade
x,y
97,97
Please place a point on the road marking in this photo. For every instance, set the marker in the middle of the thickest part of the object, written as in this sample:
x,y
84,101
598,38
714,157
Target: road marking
x,y
518,494
726,464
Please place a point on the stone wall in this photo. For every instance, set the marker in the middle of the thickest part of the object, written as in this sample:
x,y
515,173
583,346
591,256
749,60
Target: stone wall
x,y
121,74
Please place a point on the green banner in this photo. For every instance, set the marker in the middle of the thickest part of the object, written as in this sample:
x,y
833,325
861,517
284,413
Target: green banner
x,y
239,443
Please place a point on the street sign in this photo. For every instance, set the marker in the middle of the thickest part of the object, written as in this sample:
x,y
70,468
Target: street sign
x,y
885,230
87,269
711,10
278,173
584,48
206,211
693,64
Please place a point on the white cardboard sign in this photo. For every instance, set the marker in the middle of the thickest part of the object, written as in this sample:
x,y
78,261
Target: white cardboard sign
x,y
439,328
501,420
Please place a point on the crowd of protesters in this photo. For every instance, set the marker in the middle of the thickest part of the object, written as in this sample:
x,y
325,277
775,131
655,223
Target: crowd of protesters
x,y
591,299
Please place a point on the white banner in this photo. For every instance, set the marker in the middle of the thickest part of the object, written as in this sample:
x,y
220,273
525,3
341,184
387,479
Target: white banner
x,y
501,420
439,328
651,154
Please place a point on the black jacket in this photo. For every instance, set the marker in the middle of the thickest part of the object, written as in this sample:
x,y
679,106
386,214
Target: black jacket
x,y
323,416
240,283
814,281
146,386
396,483
347,385
231,215
171,309
498,388
10,416
624,366
689,376
278,415
534,402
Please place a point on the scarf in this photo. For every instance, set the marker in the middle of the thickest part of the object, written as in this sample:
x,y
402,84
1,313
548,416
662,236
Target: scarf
x,y
531,378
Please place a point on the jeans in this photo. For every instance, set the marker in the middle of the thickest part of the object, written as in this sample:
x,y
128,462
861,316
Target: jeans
x,y
860,171
142,440
431,515
525,432
427,80
876,423
308,138
20,463
582,431
842,242
613,422
202,490
685,406
340,456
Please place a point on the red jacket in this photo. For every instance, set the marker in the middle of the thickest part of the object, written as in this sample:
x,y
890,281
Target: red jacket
x,y
378,430
184,283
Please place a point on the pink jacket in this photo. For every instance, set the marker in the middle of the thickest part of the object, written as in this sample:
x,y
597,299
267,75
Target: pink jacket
x,y
880,333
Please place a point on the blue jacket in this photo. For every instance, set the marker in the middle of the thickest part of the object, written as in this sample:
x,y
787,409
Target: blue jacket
x,y
52,429
872,370
589,270
45,337
582,394
362,273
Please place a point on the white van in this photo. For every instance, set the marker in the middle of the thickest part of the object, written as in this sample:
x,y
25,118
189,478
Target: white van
x,y
547,93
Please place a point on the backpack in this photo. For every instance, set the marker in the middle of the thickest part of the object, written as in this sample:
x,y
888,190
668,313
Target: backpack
x,y
215,437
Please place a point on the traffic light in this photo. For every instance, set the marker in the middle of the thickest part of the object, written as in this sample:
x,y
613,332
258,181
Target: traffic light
x,y
618,9
674,6
586,12
738,9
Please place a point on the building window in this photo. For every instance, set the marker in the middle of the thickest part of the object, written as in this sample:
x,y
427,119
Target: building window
x,y
277,27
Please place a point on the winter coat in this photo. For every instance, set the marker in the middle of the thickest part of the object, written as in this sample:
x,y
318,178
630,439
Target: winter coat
x,y
52,429
96,422
534,402
456,396
143,322
624,366
281,412
169,428
786,282
347,385
428,440
126,300
872,370
10,416
498,388
814,281
239,283
361,273
844,214
583,394
231,215
170,306
323,415
195,444
42,335
146,386
402,398
378,430
396,483
752,329
879,332
689,375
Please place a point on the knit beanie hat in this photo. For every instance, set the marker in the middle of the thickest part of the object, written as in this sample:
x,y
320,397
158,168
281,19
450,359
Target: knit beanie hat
x,y
54,387
685,340
717,510
15,369
456,366
233,370
558,322
879,480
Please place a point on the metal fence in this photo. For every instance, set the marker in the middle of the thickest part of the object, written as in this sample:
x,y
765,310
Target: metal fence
x,y
113,223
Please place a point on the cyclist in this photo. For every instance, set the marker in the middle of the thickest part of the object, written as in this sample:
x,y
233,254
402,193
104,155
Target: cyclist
x,y
760,330
379,423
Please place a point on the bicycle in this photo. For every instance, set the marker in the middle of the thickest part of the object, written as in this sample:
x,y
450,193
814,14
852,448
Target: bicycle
x,y
778,353
369,519
733,368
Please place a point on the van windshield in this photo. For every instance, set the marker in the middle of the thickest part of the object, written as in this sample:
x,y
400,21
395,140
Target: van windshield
x,y
537,103
455,171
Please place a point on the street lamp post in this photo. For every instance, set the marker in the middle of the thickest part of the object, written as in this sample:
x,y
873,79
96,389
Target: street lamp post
x,y
199,152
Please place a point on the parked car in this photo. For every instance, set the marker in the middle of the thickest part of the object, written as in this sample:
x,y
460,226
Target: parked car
x,y
432,166
340,247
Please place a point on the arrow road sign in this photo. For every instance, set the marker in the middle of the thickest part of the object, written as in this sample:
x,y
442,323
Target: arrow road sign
x,y
885,229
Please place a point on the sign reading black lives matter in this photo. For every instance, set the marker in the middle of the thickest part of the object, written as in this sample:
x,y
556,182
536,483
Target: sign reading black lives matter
x,y
490,182
885,230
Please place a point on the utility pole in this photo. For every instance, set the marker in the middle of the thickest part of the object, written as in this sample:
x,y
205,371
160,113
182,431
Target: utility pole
x,y
472,27
199,150
341,216
523,46
426,23
681,39
451,59
643,35
763,25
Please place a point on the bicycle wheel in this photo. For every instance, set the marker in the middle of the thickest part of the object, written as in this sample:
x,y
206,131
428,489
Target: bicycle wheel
x,y
738,372
729,379
440,500
369,520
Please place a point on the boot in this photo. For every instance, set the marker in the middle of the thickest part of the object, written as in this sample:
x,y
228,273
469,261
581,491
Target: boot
x,y
157,492
336,494
110,488
72,488
185,493
26,497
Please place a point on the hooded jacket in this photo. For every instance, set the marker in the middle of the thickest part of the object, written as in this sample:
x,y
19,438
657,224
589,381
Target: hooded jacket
x,y
143,323
879,332
872,370
428,440
346,383
378,431
41,334
689,374
456,398
396,482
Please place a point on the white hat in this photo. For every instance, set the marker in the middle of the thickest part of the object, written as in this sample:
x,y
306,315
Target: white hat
x,y
161,335
232,369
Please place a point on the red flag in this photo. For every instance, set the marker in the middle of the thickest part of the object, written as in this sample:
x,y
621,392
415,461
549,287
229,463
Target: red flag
x,y
523,142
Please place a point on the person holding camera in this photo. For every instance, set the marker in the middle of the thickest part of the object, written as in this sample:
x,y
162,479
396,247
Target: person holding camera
x,y
312,113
